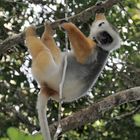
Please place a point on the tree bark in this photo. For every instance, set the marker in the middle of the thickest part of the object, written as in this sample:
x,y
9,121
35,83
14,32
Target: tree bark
x,y
95,111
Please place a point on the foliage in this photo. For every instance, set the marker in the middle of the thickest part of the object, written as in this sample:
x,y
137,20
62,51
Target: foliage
x,y
18,90
15,134
137,119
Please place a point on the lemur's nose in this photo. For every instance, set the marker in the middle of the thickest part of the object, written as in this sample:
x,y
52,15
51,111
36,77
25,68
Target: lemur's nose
x,y
100,16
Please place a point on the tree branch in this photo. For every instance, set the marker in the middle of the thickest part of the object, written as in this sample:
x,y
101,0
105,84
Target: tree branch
x,y
82,17
95,111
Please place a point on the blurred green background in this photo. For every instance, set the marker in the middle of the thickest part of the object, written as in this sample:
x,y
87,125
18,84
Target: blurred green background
x,y
18,90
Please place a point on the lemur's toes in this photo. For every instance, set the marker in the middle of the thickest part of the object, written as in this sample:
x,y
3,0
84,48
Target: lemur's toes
x,y
30,31
99,3
47,24
67,26
48,28
63,21
63,24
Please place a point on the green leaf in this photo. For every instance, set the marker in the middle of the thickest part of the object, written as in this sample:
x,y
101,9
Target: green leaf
x,y
137,119
15,134
34,137
4,139
29,137
37,137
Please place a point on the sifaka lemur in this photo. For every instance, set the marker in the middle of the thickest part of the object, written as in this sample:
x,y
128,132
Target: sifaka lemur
x,y
85,62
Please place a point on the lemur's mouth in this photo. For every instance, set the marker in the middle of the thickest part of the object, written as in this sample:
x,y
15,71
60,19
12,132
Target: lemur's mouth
x,y
103,38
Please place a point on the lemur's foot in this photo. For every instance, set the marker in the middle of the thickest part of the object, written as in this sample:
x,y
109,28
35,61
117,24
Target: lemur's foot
x,y
30,31
49,29
67,26
98,3
63,21
101,9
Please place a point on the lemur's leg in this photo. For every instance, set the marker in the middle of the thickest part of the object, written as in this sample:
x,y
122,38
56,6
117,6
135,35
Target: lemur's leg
x,y
47,39
81,45
42,59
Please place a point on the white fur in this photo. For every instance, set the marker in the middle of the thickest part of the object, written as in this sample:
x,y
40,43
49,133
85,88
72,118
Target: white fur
x,y
41,108
106,27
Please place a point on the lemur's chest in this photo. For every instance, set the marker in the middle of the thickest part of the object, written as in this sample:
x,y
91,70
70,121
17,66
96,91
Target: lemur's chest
x,y
80,77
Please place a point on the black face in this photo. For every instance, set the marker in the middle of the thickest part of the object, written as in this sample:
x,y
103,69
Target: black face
x,y
104,38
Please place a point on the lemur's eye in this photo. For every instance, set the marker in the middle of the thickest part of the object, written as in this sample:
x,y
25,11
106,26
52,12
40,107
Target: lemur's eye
x,y
100,24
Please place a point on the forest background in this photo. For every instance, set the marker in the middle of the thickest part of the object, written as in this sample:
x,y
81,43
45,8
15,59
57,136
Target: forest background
x,y
18,90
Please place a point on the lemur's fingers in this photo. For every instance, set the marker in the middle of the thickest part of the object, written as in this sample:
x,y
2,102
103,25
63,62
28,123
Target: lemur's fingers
x,y
48,28
30,31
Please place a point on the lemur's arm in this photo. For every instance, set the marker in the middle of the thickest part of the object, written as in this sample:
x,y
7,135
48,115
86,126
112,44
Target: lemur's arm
x,y
81,45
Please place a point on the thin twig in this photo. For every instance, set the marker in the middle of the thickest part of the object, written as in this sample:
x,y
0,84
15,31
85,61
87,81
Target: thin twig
x,y
83,16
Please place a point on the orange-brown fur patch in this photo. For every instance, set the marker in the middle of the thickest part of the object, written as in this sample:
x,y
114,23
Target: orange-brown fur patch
x,y
42,61
34,45
100,16
46,90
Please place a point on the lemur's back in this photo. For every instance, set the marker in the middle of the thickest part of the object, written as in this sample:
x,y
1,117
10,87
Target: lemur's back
x,y
80,77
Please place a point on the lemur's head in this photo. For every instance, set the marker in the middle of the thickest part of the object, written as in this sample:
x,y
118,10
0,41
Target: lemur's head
x,y
104,33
